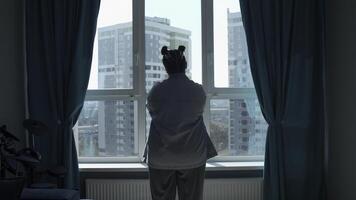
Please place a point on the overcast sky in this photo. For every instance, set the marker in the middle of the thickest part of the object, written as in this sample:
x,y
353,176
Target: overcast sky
x,y
184,14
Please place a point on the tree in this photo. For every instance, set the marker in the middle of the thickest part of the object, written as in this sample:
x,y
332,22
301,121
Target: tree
x,y
219,136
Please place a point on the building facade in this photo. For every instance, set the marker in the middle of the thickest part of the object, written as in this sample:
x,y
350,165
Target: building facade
x,y
247,126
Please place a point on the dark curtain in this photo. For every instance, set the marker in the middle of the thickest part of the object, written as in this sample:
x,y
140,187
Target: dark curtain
x,y
286,48
59,43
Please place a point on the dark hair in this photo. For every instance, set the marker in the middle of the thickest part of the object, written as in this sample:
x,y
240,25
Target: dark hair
x,y
174,60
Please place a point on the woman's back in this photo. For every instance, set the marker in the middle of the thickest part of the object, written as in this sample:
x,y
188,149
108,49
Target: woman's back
x,y
178,135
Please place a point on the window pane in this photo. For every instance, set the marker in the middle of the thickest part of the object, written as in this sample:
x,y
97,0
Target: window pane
x,y
112,54
237,127
167,25
231,62
107,128
172,23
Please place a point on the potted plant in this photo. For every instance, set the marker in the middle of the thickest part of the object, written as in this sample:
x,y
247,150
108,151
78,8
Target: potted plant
x,y
10,187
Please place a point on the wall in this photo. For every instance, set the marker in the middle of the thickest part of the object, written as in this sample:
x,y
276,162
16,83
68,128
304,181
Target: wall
x,y
12,109
341,97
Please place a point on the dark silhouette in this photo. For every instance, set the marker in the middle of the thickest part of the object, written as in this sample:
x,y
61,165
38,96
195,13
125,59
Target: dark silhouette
x,y
178,145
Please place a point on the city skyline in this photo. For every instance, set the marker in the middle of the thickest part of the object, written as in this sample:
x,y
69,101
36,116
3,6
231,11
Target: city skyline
x,y
120,11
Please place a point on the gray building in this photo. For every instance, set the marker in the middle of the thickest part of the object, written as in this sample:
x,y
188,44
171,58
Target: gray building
x,y
247,125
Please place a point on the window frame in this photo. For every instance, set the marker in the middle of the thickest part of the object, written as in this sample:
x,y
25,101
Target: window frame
x,y
138,92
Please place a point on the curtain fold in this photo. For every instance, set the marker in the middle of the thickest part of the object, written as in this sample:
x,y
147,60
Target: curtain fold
x,y
286,49
59,44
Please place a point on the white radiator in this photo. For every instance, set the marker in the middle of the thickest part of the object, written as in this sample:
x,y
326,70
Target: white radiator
x,y
139,189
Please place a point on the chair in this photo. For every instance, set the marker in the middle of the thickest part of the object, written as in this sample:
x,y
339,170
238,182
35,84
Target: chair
x,y
42,190
37,129
10,188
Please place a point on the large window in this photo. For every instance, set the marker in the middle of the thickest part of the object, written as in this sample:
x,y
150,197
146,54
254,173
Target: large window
x,y
237,126
114,123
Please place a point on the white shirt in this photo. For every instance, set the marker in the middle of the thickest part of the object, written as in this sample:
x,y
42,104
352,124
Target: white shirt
x,y
178,138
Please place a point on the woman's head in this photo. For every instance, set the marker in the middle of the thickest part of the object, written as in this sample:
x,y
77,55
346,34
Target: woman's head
x,y
174,60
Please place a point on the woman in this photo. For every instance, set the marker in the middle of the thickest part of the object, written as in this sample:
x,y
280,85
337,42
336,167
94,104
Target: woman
x,y
178,145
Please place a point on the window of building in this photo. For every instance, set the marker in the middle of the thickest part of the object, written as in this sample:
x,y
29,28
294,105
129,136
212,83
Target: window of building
x,y
114,122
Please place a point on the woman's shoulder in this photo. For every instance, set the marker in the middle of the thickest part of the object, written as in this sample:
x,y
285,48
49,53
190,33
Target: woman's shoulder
x,y
198,86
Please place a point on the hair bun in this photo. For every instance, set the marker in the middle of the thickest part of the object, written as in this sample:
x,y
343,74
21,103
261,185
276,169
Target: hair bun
x,y
181,48
164,50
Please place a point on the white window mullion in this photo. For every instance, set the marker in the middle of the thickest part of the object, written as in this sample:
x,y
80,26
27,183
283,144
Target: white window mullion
x,y
111,92
208,44
207,55
110,97
139,52
126,159
230,93
237,159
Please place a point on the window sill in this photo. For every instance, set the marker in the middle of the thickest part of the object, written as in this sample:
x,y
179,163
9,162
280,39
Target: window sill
x,y
142,167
